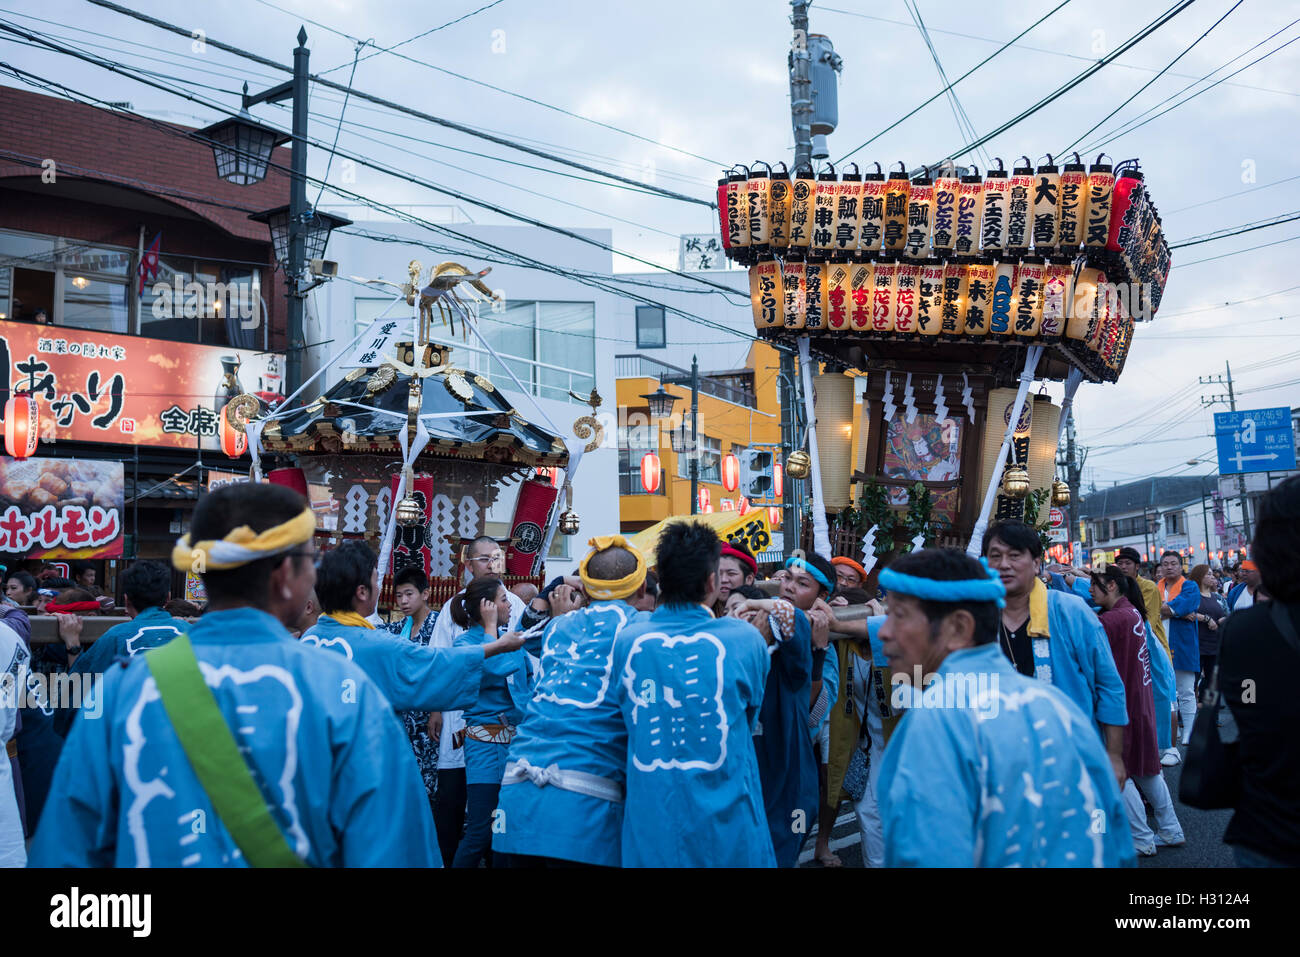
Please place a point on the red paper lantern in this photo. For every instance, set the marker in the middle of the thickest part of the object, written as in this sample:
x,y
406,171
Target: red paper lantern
x,y
550,475
778,480
706,504
650,473
233,443
773,516
743,505
730,472
22,425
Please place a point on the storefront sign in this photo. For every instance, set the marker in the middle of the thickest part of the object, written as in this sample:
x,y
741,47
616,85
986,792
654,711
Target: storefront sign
x,y
102,387
61,508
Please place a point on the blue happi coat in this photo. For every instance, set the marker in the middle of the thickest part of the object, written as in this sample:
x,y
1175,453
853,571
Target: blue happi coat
x,y
574,723
500,698
787,765
321,740
412,677
690,687
1017,777
1184,636
1082,666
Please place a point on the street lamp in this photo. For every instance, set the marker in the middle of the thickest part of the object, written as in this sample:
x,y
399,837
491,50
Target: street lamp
x,y
661,406
242,150
1150,525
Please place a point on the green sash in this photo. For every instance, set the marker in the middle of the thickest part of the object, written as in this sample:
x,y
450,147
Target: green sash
x,y
213,754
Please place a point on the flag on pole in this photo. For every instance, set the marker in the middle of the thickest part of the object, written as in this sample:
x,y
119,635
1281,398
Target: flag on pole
x,y
149,263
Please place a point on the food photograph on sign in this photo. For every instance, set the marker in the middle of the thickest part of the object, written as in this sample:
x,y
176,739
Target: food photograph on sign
x,y
61,508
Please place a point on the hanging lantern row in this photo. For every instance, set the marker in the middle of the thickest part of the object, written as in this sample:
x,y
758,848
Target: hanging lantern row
x,y
22,425
1058,213
996,302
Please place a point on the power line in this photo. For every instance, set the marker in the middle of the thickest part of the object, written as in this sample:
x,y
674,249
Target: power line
x,y
397,107
1240,192
419,36
958,111
1235,302
1238,230
918,109
1210,259
1145,86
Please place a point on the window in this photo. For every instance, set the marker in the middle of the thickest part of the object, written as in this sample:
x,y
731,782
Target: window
x,y
650,327
634,441
193,300
94,286
710,460
1175,523
549,346
1127,527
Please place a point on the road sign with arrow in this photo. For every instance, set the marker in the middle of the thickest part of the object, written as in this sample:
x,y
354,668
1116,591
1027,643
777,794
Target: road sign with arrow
x,y
1255,440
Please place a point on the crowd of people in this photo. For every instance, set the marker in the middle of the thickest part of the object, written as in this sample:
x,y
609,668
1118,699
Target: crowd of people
x,y
999,711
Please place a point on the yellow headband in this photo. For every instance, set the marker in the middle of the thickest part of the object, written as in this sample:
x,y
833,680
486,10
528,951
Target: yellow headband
x,y
600,590
242,545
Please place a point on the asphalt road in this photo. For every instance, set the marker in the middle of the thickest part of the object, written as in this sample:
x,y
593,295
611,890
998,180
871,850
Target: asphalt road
x,y
1203,830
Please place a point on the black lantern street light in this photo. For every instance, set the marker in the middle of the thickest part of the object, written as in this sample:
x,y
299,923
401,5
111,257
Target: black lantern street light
x,y
661,407
660,402
242,149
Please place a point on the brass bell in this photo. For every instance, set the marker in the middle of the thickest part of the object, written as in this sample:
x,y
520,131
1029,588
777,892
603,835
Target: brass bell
x,y
568,522
409,511
1060,494
798,465
1015,481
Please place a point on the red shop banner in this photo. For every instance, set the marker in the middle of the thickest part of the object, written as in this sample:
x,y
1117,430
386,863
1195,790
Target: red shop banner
x,y
102,387
61,508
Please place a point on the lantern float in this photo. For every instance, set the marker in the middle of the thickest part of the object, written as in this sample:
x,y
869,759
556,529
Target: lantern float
x,y
22,425
650,473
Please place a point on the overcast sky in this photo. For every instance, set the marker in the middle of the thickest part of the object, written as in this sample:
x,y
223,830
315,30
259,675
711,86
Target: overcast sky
x,y
709,79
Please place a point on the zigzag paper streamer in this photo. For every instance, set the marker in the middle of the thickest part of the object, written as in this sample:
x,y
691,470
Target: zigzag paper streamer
x,y
940,407
909,400
918,543
869,549
889,407
966,396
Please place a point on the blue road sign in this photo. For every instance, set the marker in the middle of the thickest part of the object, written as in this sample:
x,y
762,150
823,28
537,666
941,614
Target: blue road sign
x,y
1255,440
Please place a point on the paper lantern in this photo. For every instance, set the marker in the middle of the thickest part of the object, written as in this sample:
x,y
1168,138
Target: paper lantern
x,y
979,297
779,210
882,296
724,219
955,286
773,516
1047,207
765,294
993,228
897,188
758,190
704,500
1044,428
730,472
1096,214
292,478
1029,297
1125,211
929,299
1074,200
727,505
814,319
1083,304
970,206
906,279
234,443
650,473
823,224
837,297
945,212
1000,403
23,425
795,292
743,506
1020,209
871,224
1056,294
738,213
778,480
861,290
920,205
801,210
848,211
833,405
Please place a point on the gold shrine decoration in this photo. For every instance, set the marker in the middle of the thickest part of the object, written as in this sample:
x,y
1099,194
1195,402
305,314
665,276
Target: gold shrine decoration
x,y
588,426
241,410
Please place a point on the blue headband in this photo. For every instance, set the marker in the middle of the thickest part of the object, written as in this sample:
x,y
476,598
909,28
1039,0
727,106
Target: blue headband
x,y
930,589
794,561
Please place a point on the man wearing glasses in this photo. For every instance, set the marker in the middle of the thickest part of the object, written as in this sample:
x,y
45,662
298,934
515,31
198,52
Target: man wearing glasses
x,y
484,558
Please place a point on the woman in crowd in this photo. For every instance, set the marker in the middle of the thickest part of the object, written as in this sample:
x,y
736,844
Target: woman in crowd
x,y
490,724
1209,616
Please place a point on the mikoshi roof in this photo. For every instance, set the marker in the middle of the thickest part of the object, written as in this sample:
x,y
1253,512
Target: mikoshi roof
x,y
331,425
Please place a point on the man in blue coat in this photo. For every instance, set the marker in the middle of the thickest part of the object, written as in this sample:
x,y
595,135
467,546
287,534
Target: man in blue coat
x,y
988,767
1179,601
690,687
322,748
1054,636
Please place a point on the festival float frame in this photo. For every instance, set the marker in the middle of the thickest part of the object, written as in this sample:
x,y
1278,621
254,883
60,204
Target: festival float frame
x,y
954,295
413,450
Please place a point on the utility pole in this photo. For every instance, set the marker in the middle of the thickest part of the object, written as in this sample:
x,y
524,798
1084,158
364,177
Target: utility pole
x,y
1230,400
1072,464
695,437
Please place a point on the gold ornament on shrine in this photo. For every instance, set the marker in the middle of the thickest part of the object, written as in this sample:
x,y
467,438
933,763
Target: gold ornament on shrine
x,y
568,522
409,512
798,465
1015,481
1060,494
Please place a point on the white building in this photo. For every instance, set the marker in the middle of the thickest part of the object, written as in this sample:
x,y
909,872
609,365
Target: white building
x,y
1171,513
